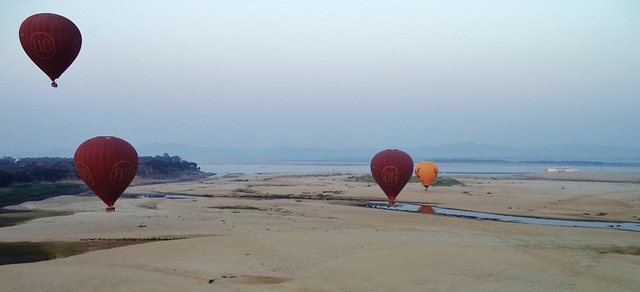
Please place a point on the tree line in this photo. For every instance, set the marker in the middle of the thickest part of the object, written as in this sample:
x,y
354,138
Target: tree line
x,y
51,169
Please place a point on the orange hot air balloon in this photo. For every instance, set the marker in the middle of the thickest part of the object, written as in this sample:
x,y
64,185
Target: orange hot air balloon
x,y
51,41
392,169
426,172
107,165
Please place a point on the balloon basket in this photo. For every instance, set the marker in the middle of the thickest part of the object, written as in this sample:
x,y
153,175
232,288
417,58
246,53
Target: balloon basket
x,y
54,84
110,209
392,203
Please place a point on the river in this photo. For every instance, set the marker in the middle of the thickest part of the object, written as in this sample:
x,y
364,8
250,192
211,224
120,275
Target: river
x,y
490,168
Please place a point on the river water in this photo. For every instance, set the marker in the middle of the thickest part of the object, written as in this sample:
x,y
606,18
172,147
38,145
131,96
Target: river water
x,y
630,226
446,168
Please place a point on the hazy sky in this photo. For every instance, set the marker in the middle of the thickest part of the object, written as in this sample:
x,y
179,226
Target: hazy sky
x,y
336,74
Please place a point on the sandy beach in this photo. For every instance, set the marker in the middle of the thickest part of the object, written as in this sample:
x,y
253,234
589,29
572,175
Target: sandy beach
x,y
309,232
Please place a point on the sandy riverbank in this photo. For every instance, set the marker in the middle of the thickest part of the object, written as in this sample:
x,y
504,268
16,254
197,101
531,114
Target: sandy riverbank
x,y
315,241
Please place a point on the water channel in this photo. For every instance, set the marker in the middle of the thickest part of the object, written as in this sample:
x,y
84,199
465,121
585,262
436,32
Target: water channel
x,y
630,226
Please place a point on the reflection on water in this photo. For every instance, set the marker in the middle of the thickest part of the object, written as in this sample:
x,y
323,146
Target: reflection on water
x,y
503,218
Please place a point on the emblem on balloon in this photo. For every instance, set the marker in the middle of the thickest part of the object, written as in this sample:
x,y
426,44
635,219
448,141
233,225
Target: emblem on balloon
x,y
121,173
390,175
43,45
84,173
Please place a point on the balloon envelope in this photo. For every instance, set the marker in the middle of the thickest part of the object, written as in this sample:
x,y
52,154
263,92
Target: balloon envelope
x,y
107,165
392,169
426,172
51,41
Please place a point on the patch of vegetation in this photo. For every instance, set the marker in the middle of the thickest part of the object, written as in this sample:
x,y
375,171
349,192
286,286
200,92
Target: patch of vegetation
x,y
238,208
245,190
331,192
134,239
166,165
439,181
270,185
445,182
27,252
15,217
27,170
52,169
19,193
620,250
362,178
24,252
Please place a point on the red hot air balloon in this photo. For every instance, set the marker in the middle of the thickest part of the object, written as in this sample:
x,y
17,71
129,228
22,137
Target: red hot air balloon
x,y
107,165
51,41
392,169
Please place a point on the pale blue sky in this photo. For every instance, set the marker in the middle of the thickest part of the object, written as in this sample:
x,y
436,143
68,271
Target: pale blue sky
x,y
334,74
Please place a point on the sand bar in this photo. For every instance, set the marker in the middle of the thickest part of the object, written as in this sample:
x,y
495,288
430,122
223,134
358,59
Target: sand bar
x,y
298,232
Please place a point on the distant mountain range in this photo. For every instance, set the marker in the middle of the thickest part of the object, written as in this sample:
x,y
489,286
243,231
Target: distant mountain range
x,y
459,151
